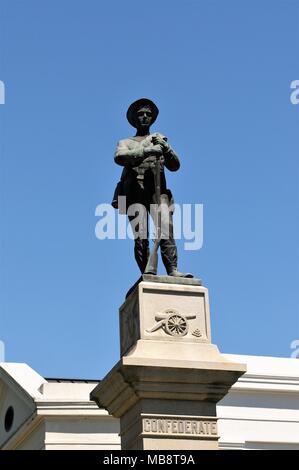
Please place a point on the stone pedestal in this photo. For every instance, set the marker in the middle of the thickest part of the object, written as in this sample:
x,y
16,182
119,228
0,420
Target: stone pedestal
x,y
170,376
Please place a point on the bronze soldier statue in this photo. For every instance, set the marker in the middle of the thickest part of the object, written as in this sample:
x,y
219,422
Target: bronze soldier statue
x,y
139,156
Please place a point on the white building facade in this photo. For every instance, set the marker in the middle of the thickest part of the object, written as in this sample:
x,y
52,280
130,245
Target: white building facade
x,y
261,411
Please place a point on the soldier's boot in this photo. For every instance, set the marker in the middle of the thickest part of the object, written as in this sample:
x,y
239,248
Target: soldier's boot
x,y
175,273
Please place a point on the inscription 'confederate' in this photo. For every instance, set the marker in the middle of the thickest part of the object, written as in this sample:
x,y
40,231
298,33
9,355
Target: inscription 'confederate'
x,y
180,426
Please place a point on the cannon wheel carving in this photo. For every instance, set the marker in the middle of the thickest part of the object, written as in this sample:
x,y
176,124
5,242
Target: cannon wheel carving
x,y
176,325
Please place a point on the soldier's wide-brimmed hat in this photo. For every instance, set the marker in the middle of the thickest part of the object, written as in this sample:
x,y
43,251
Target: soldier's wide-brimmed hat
x,y
133,108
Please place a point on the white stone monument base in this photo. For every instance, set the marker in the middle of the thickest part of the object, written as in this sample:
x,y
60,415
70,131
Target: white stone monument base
x,y
170,377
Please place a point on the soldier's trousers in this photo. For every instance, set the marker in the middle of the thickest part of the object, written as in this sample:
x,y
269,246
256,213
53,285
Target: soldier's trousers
x,y
140,230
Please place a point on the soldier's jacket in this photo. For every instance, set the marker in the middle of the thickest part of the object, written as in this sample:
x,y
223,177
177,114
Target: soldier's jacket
x,y
138,175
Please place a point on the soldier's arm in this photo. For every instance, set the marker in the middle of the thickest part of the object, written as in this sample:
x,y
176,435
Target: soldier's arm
x,y
128,157
172,161
125,156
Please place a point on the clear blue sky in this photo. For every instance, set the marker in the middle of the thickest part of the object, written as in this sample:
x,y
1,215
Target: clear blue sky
x,y
220,72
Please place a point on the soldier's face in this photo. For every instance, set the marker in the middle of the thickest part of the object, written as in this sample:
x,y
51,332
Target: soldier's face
x,y
144,117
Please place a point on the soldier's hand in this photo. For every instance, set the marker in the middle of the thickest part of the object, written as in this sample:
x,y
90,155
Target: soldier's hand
x,y
153,150
158,140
